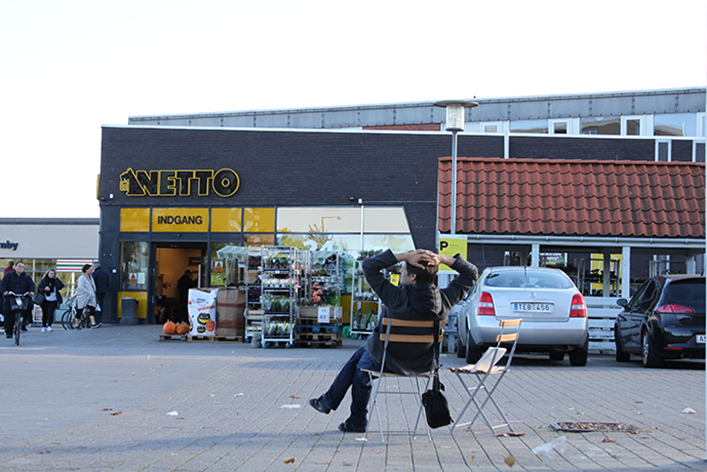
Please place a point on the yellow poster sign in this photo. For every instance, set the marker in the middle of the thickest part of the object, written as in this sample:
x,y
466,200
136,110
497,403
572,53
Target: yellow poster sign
x,y
451,246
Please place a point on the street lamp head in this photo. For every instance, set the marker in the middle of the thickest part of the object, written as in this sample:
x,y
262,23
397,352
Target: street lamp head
x,y
455,112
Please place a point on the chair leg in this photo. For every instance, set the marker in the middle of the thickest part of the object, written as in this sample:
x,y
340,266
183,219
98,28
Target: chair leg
x,y
374,406
421,408
472,399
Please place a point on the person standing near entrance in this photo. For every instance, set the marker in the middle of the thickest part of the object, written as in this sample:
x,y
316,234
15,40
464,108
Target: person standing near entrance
x,y
100,277
50,287
183,285
8,268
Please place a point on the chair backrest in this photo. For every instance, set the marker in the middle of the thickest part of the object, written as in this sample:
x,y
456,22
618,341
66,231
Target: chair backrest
x,y
424,331
510,332
414,331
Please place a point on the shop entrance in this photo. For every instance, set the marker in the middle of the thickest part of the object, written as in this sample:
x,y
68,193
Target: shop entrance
x,y
172,260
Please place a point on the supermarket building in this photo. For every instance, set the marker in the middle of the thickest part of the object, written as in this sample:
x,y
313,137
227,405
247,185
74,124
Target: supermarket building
x,y
176,189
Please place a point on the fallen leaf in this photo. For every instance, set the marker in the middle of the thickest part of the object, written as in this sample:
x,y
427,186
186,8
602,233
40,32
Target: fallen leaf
x,y
608,440
645,437
317,434
294,396
290,461
580,413
689,411
45,452
107,409
616,456
133,373
509,460
322,463
471,459
115,413
348,464
511,434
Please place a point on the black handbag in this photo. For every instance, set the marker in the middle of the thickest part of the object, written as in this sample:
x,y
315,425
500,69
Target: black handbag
x,y
434,401
38,299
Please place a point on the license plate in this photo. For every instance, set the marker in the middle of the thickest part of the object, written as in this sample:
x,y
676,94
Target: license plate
x,y
701,338
533,307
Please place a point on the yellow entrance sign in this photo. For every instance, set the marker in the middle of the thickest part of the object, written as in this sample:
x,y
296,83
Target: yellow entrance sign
x,y
451,246
180,219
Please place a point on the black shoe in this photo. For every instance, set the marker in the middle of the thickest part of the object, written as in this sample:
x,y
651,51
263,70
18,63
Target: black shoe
x,y
347,427
8,336
97,325
24,328
319,405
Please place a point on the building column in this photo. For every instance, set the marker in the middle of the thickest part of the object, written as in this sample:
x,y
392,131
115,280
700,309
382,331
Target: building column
x,y
626,272
535,255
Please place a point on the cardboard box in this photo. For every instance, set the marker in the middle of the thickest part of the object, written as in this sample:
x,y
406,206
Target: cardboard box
x,y
332,313
230,306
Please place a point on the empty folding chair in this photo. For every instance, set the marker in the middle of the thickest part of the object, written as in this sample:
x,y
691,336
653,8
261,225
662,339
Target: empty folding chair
x,y
488,375
404,331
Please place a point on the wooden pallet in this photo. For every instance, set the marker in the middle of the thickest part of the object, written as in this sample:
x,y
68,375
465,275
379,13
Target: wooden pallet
x,y
193,338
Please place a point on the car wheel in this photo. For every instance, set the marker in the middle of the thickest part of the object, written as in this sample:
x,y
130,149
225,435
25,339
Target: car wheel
x,y
557,356
621,356
461,349
578,357
649,357
473,353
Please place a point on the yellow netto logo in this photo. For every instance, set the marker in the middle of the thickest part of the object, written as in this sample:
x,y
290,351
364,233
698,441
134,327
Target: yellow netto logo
x,y
172,183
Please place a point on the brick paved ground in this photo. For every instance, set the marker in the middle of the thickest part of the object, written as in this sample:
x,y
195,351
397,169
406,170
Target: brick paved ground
x,y
99,400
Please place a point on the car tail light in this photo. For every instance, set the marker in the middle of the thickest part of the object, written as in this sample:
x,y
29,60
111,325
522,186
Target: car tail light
x,y
673,308
579,308
486,305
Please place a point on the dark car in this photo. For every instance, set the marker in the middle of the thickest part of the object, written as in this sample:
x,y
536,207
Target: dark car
x,y
665,319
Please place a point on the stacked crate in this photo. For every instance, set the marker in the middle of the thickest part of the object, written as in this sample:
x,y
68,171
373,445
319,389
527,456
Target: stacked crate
x,y
319,326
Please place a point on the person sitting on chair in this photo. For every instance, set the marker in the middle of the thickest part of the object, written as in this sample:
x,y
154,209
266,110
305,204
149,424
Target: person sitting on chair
x,y
417,298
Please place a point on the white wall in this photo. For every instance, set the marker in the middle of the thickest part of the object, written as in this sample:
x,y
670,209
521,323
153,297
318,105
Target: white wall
x,y
50,241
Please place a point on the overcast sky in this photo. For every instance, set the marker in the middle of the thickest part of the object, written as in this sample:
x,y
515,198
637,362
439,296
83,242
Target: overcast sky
x,y
70,66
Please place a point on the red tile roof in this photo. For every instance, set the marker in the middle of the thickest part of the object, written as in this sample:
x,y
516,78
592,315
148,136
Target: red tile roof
x,y
575,197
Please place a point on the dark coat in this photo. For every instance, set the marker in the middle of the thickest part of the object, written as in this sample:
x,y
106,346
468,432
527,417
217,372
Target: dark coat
x,y
58,285
12,282
100,277
412,302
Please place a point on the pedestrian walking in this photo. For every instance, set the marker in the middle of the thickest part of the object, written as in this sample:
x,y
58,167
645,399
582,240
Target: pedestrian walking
x,y
16,281
50,287
101,278
86,297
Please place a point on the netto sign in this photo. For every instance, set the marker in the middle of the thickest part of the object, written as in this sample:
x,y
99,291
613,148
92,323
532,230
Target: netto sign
x,y
172,183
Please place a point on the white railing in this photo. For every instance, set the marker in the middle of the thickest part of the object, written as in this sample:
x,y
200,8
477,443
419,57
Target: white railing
x,y
602,312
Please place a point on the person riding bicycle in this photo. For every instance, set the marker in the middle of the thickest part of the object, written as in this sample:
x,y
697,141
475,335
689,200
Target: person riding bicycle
x,y
16,281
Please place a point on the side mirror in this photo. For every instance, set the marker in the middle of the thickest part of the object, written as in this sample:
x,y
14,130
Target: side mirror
x,y
622,302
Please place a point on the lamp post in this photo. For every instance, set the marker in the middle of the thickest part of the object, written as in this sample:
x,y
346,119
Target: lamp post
x,y
455,123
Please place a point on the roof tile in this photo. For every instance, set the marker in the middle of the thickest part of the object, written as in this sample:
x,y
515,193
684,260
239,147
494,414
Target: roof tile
x,y
575,197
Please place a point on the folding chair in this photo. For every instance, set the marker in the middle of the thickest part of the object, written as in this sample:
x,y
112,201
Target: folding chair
x,y
488,375
424,332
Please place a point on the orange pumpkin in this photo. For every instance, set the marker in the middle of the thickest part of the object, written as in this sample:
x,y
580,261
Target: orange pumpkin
x,y
210,325
182,328
169,327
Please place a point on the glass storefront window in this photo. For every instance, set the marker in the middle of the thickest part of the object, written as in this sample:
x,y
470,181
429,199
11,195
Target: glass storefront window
x,y
529,126
675,124
134,265
224,270
601,125
342,220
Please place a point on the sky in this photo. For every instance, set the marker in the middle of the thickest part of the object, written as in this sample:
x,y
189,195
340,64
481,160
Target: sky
x,y
68,67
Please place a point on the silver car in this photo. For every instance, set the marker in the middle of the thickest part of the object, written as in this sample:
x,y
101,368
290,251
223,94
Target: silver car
x,y
553,311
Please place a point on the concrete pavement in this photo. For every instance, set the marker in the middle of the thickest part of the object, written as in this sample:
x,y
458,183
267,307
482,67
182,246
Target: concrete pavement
x,y
100,400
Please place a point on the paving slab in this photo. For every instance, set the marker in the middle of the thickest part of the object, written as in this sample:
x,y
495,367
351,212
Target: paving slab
x,y
119,399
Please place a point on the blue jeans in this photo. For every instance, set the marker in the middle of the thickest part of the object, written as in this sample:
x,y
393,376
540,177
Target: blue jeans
x,y
351,376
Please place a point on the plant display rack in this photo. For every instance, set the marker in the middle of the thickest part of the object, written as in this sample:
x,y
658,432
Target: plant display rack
x,y
281,272
254,313
365,304
323,291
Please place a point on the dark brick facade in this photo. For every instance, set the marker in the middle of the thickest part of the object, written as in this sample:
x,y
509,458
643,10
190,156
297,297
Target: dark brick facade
x,y
546,147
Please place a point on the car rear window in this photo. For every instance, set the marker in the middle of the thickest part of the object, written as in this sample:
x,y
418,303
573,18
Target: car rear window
x,y
528,279
686,292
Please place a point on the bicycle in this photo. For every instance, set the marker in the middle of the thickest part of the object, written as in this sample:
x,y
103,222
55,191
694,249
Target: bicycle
x,y
19,304
71,315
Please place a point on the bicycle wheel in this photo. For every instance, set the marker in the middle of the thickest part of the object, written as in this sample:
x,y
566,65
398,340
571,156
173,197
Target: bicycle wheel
x,y
67,319
18,327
